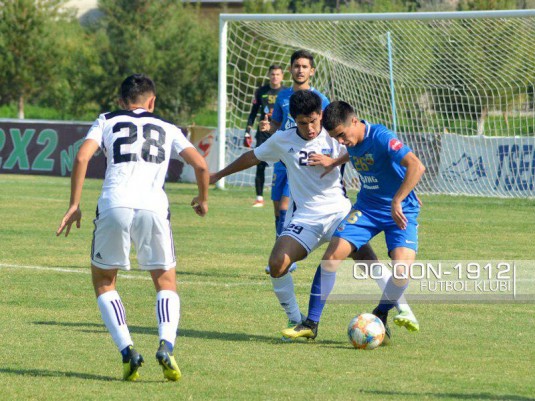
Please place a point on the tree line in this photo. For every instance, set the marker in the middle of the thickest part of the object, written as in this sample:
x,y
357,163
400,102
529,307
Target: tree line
x,y
49,59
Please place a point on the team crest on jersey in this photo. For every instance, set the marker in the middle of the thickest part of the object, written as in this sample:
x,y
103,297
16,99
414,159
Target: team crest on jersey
x,y
395,144
368,158
327,151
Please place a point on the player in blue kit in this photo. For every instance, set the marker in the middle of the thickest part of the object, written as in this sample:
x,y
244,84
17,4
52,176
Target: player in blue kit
x,y
302,68
388,172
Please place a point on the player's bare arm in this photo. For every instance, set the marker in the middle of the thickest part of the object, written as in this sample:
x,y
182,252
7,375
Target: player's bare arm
x,y
74,214
195,160
241,163
329,165
415,170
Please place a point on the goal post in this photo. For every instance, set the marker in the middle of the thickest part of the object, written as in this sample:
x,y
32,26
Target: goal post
x,y
457,87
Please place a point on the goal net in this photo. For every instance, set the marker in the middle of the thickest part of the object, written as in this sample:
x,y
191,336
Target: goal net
x,y
458,88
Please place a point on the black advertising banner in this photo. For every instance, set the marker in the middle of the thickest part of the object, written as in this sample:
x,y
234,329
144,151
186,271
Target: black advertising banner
x,y
44,148
49,148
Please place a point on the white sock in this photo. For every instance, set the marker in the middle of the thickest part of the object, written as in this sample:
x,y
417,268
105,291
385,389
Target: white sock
x,y
167,314
284,290
114,317
382,275
259,198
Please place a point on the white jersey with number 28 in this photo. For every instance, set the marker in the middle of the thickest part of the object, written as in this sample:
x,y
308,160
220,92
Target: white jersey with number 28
x,y
137,145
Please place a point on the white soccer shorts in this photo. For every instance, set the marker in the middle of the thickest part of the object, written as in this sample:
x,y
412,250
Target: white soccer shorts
x,y
117,228
312,232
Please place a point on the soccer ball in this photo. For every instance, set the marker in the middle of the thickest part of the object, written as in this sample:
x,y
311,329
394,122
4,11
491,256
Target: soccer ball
x,y
366,331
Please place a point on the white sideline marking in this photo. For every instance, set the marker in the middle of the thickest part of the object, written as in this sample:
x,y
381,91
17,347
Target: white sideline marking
x,y
136,277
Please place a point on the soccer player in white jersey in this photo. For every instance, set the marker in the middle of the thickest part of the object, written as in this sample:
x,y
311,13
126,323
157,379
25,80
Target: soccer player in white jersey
x,y
133,207
319,203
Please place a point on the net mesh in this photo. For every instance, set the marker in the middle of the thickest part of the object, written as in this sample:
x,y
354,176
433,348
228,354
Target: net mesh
x,y
463,91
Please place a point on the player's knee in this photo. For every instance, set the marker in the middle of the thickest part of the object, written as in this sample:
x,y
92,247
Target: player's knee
x,y
365,252
277,265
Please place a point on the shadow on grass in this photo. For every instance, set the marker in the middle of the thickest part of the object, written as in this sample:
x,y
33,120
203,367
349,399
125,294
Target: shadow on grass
x,y
56,373
202,334
457,396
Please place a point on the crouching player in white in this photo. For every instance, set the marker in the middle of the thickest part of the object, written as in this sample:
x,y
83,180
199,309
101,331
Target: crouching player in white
x,y
319,204
389,171
133,207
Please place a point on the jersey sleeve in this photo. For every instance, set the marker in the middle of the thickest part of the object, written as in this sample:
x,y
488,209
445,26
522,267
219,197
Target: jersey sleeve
x,y
390,143
269,150
324,102
97,130
180,142
341,150
254,108
277,110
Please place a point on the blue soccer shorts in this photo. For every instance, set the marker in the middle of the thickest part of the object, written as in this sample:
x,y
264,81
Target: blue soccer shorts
x,y
359,227
279,182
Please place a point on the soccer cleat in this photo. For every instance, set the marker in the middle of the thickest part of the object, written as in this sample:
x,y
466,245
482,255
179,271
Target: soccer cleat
x,y
131,363
168,363
407,319
258,203
293,267
384,318
306,329
292,324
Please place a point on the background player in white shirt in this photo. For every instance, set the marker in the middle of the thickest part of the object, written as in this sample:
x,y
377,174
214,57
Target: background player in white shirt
x,y
302,68
320,203
133,207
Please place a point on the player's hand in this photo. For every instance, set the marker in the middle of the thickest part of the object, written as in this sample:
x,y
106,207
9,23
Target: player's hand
x,y
72,215
247,140
327,162
214,178
264,124
317,159
200,207
398,216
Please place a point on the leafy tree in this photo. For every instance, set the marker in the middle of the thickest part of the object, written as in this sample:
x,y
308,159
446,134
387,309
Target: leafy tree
x,y
165,40
28,50
473,5
74,91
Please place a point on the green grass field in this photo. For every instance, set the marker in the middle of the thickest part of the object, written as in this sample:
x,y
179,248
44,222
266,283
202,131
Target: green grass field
x,y
55,347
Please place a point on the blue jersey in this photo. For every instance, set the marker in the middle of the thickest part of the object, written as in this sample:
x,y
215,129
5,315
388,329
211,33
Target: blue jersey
x,y
281,110
378,161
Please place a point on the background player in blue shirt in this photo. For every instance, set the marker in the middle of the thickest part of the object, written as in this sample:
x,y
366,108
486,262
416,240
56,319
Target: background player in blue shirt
x,y
302,67
388,172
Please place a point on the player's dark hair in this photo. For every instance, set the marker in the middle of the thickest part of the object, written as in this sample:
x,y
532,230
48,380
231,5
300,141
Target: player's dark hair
x,y
274,67
336,114
136,86
302,54
304,102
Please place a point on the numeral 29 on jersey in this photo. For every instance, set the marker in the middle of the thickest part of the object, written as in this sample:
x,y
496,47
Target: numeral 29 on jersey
x,y
303,157
148,130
